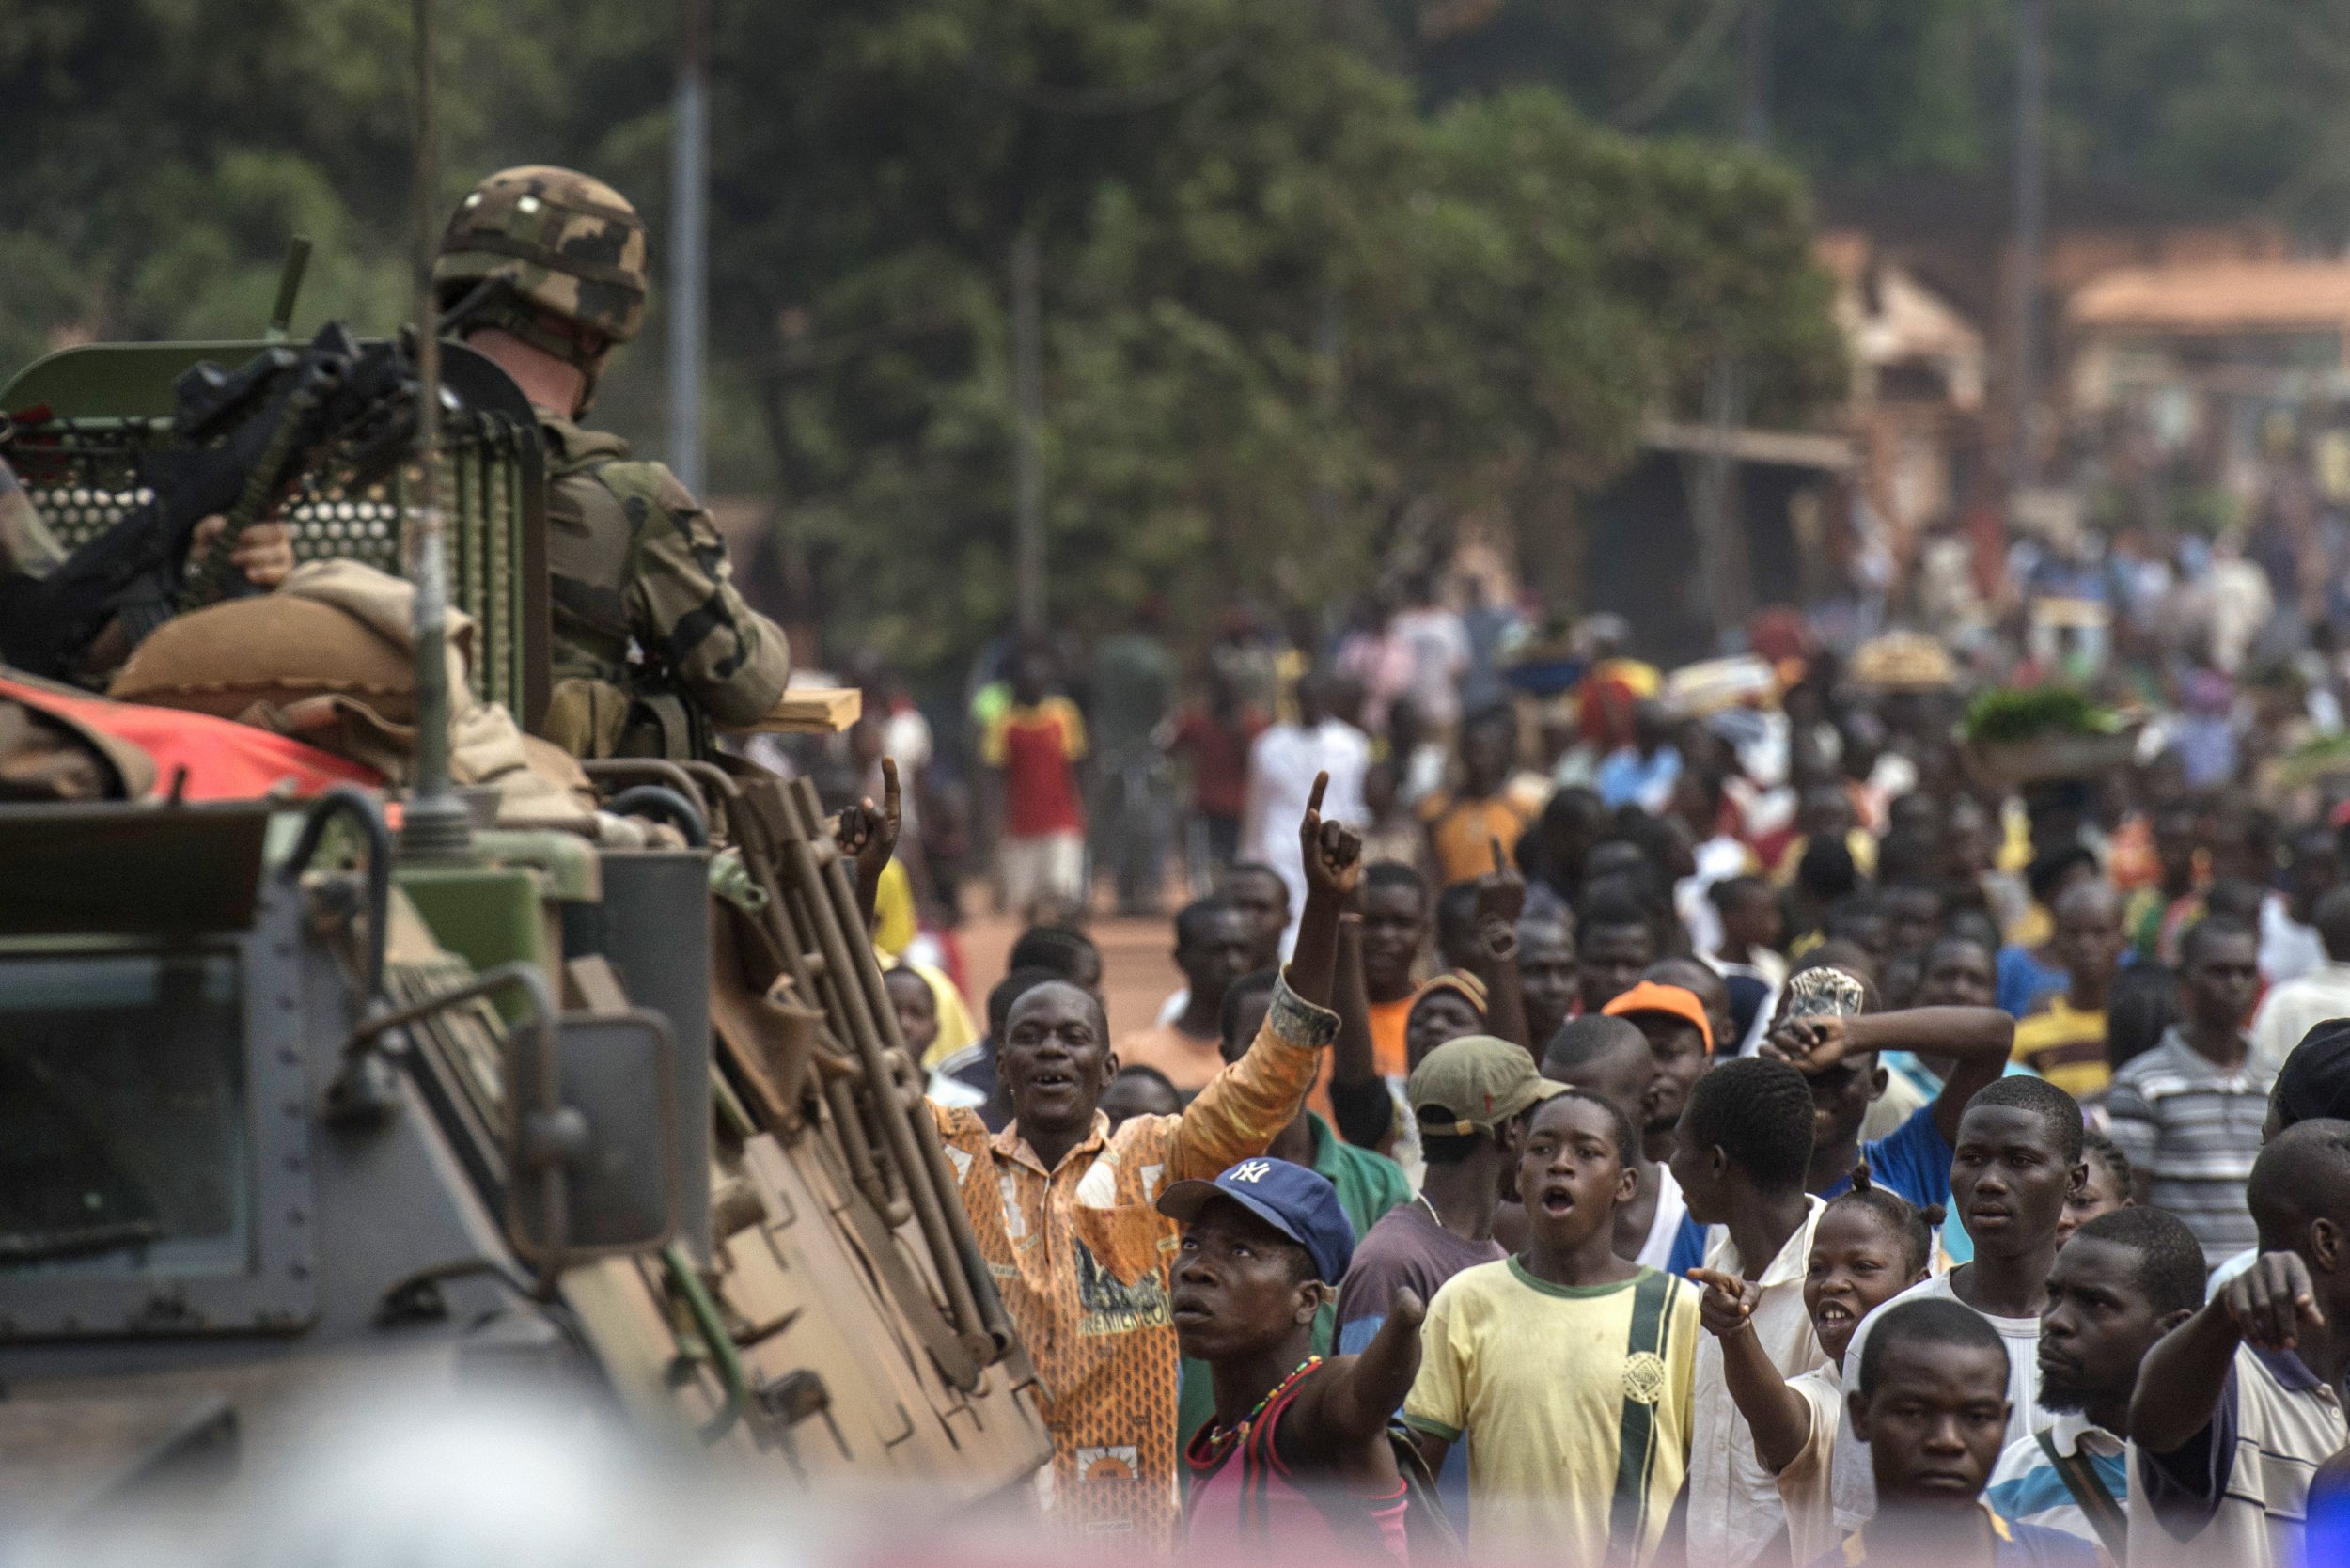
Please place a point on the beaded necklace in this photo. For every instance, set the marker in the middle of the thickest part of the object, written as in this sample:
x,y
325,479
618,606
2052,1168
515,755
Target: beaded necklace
x,y
1216,1439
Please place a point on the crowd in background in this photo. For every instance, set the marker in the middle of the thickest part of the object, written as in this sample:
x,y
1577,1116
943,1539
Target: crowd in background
x,y
1860,1017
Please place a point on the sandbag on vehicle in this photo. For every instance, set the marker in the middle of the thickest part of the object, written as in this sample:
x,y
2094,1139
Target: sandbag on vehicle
x,y
329,658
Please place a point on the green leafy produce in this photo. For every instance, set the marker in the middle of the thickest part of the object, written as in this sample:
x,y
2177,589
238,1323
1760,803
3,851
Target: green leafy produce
x,y
2319,757
2007,714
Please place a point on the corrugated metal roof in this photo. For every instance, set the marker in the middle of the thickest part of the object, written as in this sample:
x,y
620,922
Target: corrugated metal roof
x,y
1790,448
2221,297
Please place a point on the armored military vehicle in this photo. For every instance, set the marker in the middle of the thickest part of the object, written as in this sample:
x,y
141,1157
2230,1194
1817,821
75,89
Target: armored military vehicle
x,y
287,1094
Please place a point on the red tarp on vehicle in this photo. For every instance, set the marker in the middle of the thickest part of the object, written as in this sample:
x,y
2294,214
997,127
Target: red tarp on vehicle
x,y
225,760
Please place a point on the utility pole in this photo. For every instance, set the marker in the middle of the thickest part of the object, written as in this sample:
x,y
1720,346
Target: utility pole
x,y
434,822
2032,217
1755,75
1329,398
689,264
1724,577
1028,456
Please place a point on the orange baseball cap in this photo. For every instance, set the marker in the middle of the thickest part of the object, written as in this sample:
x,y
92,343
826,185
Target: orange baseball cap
x,y
1648,996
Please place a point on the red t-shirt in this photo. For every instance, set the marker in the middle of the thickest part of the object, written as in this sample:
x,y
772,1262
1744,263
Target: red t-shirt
x,y
1219,757
1037,749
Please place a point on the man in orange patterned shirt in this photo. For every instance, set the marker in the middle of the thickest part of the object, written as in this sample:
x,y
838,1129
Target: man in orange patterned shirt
x,y
1064,1209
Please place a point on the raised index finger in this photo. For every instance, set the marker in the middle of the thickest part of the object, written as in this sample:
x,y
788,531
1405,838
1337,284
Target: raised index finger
x,y
1313,802
889,784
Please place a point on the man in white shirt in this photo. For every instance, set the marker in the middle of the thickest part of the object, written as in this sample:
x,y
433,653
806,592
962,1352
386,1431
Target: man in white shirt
x,y
1282,764
2237,603
2291,946
2017,1158
1741,1155
1439,646
2290,1010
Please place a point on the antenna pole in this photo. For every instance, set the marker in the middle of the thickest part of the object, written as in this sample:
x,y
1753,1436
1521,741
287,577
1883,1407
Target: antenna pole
x,y
435,821
2031,222
689,221
289,287
1027,459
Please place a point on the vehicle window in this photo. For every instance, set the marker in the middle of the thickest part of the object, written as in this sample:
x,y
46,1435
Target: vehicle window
x,y
122,1128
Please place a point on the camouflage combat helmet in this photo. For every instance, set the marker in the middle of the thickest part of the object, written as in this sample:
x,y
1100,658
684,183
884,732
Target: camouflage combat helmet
x,y
540,239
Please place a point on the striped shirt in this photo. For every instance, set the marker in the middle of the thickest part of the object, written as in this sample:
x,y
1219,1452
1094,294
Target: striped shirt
x,y
2195,1127
2065,1044
2026,1488
2236,1493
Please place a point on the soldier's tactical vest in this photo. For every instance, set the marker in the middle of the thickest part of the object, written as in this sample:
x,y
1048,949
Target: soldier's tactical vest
x,y
602,703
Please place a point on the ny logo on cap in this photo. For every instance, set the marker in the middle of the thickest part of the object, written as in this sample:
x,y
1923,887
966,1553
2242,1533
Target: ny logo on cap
x,y
1252,1170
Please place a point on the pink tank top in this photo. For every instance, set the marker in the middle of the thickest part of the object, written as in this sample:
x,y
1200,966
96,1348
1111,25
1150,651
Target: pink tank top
x,y
1248,1499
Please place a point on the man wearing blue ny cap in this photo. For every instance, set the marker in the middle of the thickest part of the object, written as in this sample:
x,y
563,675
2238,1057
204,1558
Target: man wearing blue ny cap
x,y
1298,1451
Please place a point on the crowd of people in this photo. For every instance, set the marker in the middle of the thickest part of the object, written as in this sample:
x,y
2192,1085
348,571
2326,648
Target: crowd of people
x,y
1704,1118
1749,1115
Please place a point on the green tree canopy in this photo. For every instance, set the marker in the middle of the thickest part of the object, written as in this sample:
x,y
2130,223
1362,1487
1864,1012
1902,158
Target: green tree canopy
x,y
1293,316
2208,107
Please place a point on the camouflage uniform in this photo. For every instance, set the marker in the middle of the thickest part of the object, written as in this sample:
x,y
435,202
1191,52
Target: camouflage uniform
x,y
651,641
635,559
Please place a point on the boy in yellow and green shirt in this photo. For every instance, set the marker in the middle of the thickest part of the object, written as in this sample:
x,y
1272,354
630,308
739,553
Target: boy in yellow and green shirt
x,y
1570,1370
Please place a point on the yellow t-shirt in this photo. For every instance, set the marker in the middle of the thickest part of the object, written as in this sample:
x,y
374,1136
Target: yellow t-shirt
x,y
895,924
1561,1412
1859,843
956,1028
2066,1047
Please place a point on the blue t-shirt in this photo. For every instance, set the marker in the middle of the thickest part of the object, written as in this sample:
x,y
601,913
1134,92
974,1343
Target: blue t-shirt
x,y
1748,995
1688,1249
1914,1159
1626,779
2024,980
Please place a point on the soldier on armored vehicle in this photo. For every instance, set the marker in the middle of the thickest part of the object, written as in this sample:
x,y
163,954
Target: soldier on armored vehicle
x,y
543,270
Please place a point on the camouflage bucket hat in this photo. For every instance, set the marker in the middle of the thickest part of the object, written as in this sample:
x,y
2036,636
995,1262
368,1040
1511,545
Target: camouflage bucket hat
x,y
564,242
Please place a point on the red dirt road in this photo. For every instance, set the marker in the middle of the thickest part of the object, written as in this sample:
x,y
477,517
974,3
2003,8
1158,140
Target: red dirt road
x,y
1138,970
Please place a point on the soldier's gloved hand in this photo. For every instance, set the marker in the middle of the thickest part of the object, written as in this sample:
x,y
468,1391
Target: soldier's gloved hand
x,y
264,551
